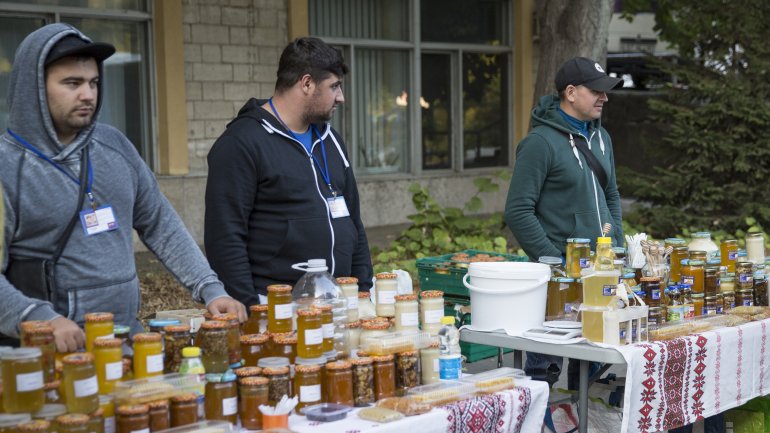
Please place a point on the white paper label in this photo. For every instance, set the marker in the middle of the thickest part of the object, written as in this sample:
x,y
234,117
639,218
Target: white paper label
x,y
315,336
255,348
29,381
386,297
409,319
435,364
283,311
433,316
155,363
328,330
113,370
86,387
229,406
105,337
109,425
353,303
310,393
144,430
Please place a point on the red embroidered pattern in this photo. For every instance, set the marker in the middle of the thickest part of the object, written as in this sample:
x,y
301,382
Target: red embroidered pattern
x,y
674,388
648,392
718,368
740,362
700,379
525,400
476,415
762,360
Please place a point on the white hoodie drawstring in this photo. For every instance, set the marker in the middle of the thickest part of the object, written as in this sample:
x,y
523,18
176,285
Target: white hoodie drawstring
x,y
575,151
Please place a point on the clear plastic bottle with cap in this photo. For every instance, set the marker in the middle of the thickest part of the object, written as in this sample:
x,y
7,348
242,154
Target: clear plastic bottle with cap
x,y
605,256
450,359
317,286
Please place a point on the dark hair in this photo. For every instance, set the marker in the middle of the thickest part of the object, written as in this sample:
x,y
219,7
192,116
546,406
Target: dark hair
x,y
308,56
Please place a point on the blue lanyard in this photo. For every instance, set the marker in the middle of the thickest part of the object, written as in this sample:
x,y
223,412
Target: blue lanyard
x,y
45,158
325,169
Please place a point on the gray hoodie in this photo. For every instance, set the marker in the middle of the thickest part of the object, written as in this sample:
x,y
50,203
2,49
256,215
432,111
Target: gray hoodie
x,y
97,272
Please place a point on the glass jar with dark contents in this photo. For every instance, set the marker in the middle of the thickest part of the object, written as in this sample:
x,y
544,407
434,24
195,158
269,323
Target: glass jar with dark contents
x,y
363,381
407,371
183,409
132,418
279,383
176,338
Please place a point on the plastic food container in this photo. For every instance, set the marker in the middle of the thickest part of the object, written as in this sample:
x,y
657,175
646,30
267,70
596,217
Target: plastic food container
x,y
154,388
203,427
442,393
327,412
494,380
397,342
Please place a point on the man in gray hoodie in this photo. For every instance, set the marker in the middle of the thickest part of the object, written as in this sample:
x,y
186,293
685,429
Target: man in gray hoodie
x,y
54,100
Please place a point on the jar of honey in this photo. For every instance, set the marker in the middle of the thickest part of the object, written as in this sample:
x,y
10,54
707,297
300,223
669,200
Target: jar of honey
x,y
384,376
132,418
407,313
310,336
279,383
98,325
81,387
698,255
338,383
159,415
148,355
727,283
693,274
212,339
656,317
40,334
257,323
253,393
34,426
175,338
431,310
327,326
285,345
221,397
698,303
107,405
253,347
744,275
307,383
183,409
22,372
108,361
96,421
280,308
760,289
728,253
349,286
678,254
578,256
407,371
652,293
8,422
386,287
709,305
73,423
710,281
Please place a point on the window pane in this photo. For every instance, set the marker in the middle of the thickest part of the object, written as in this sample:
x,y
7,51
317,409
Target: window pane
x,y
137,5
480,21
436,111
12,32
360,19
485,110
381,80
125,78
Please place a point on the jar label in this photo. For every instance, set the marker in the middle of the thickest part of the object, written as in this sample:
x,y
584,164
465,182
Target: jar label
x,y
315,336
113,370
310,393
386,296
747,303
609,289
656,294
708,311
449,367
435,365
155,363
732,255
256,348
328,330
144,430
688,279
584,262
86,387
229,406
29,381
283,311
433,316
109,424
352,302
746,278
105,336
410,319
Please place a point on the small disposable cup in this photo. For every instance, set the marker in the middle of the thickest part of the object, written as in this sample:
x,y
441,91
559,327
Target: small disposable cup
x,y
275,421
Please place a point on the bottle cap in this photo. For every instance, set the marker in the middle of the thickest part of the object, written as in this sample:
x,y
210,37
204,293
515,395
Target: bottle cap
x,y
604,240
447,320
191,352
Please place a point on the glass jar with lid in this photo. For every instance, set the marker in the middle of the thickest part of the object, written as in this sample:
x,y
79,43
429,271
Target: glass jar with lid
x,y
49,412
80,385
578,256
34,426
365,306
686,296
108,362
74,423
253,393
132,418
307,383
679,253
349,287
728,301
701,241
310,336
407,313
698,303
107,406
354,335
693,274
253,347
148,355
407,371
159,415
363,381
280,308
755,247
374,328
709,305
38,333
221,397
728,253
257,323
555,263
212,339
760,289
285,345
338,383
744,275
744,297
233,336
429,364
98,325
175,338
279,383
386,287
183,409
384,376
22,372
431,310
710,281
52,392
727,282
651,287
327,326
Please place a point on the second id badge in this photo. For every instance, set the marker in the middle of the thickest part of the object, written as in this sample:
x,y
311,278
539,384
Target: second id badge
x,y
97,221
338,207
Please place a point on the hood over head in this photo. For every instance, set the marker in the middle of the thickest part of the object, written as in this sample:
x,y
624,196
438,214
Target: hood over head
x,y
27,100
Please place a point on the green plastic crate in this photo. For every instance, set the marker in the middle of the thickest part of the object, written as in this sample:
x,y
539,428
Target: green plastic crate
x,y
473,352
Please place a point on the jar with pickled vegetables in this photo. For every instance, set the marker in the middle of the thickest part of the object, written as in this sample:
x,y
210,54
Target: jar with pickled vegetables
x,y
148,355
98,325
233,336
253,393
257,323
407,313
384,376
431,310
279,383
108,361
183,409
176,338
280,308
159,415
253,347
338,383
212,339
73,423
132,419
40,334
221,397
578,256
349,286
22,372
35,426
307,383
407,371
81,387
310,336
386,287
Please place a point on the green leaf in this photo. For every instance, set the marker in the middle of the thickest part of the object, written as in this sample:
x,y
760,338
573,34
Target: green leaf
x,y
474,204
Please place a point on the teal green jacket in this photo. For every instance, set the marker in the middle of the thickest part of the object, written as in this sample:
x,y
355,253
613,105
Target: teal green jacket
x,y
554,195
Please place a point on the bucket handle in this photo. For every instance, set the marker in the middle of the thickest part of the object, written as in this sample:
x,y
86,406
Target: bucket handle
x,y
495,292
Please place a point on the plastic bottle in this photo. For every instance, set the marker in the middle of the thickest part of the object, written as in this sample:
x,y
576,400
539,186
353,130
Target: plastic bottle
x,y
605,256
318,286
192,364
450,359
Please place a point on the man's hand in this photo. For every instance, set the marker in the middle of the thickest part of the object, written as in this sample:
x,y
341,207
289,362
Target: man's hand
x,y
68,335
226,304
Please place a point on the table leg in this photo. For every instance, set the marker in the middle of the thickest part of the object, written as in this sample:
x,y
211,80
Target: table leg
x,y
583,397
499,357
517,358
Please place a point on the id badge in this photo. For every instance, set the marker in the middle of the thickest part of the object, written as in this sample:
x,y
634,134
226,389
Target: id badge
x,y
98,221
338,207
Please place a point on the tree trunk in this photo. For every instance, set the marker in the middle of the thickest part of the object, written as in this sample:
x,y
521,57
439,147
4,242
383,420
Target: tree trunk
x,y
569,28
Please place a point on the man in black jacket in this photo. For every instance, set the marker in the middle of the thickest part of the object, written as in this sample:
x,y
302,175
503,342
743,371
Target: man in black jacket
x,y
280,188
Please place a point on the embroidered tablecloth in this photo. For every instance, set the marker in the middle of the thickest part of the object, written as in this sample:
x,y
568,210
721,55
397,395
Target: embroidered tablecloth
x,y
677,382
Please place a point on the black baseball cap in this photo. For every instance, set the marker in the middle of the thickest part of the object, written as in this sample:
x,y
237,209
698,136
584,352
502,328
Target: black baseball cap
x,y
583,71
75,46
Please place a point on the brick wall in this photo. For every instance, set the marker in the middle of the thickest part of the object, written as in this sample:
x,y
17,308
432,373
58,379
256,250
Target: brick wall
x,y
231,54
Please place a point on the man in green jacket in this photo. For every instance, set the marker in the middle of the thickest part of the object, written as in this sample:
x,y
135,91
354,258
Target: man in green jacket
x,y
558,191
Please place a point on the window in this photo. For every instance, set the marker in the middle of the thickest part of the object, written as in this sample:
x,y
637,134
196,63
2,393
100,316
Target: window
x,y
455,58
123,23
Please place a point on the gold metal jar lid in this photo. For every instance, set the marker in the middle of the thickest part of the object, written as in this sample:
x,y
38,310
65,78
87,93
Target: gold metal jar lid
x,y
146,337
285,339
310,368
338,365
254,381
252,339
36,425
98,317
183,398
176,328
258,307
279,288
213,324
247,371
432,294
354,325
36,327
361,361
132,409
382,358
274,371
158,404
73,419
376,325
108,342
405,298
347,280
309,312
386,276
323,307
407,353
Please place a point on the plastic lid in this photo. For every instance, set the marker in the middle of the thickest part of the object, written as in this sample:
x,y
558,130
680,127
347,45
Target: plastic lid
x,y
549,260
578,241
675,241
273,362
227,376
629,275
697,262
78,358
447,320
21,353
191,352
619,250
701,235
604,240
160,323
309,361
11,419
563,280
121,329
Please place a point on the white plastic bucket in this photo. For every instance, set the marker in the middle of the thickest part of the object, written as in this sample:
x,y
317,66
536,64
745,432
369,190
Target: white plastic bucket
x,y
507,295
